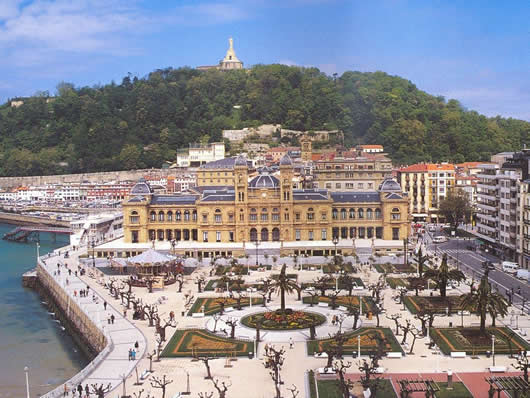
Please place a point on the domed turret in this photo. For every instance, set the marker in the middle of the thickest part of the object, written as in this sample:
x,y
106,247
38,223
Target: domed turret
x,y
286,160
390,185
141,188
240,161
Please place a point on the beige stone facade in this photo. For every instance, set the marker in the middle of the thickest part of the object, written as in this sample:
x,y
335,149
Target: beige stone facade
x,y
265,208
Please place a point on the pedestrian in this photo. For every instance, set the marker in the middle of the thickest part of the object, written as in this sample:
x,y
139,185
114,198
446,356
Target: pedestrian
x,y
65,393
87,288
80,389
87,390
112,319
130,354
125,312
105,305
75,292
133,355
136,345
69,272
291,343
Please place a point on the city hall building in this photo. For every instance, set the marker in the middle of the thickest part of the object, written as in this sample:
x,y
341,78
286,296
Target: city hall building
x,y
264,212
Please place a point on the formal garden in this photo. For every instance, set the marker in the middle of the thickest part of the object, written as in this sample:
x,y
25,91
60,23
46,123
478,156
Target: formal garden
x,y
349,302
197,342
400,268
370,338
436,304
331,389
472,341
283,320
213,305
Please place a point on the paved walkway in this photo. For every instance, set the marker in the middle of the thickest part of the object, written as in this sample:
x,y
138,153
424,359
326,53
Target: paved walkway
x,y
122,334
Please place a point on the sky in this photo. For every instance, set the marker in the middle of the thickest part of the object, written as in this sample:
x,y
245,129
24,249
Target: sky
x,y
477,52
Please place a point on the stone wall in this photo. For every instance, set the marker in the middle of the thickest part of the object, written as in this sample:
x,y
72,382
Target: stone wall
x,y
132,175
76,316
22,219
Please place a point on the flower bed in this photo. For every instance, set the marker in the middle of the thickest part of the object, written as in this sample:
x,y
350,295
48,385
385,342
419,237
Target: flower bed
x,y
286,320
212,305
198,342
438,304
471,341
345,301
368,343
331,284
395,268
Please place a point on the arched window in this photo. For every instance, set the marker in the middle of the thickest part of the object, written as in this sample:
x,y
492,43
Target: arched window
x,y
134,218
194,215
310,214
152,216
253,235
334,214
378,213
169,216
275,234
369,214
264,234
253,210
186,215
352,213
177,215
396,214
343,214
217,216
360,213
160,216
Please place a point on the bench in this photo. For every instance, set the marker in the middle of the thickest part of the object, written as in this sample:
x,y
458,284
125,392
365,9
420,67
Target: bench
x,y
497,369
322,304
342,308
380,370
326,371
177,395
358,288
394,355
144,375
197,315
320,355
229,309
458,354
464,313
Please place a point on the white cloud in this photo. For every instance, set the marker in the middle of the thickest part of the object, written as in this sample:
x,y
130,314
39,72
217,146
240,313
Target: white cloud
x,y
9,8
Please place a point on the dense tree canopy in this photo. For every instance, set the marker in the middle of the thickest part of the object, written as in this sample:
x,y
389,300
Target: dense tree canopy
x,y
142,122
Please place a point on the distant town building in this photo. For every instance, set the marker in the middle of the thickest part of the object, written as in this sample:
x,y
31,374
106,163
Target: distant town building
x,y
198,154
370,148
426,185
275,154
229,62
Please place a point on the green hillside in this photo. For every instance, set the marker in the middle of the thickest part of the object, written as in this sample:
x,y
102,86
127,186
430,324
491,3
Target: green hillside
x,y
142,122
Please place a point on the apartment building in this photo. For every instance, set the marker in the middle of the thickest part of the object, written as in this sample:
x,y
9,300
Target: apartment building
x,y
426,185
198,154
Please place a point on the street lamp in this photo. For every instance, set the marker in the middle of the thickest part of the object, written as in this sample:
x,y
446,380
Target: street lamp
x,y
93,249
26,370
173,244
493,348
335,241
256,242
38,254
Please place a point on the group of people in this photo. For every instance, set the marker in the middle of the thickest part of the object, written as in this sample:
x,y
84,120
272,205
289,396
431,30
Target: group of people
x,y
79,390
133,351
83,292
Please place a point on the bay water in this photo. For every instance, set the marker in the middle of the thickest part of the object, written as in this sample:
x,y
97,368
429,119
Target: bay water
x,y
29,333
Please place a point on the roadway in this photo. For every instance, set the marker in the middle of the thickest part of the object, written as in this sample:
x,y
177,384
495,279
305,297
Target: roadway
x,y
470,262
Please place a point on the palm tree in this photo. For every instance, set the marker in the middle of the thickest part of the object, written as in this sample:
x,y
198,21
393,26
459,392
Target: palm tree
x,y
284,284
482,300
420,260
443,275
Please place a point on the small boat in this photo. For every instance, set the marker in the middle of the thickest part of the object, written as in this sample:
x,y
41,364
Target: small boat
x,y
56,320
51,313
44,302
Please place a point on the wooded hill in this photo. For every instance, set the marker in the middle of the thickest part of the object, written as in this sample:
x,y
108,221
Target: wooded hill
x,y
142,122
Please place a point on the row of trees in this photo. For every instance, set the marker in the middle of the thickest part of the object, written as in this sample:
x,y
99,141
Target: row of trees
x,y
143,121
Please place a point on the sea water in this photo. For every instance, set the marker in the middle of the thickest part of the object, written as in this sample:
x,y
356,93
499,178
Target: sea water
x,y
29,333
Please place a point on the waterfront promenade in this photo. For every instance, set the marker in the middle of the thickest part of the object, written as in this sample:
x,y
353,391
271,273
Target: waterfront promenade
x,y
112,364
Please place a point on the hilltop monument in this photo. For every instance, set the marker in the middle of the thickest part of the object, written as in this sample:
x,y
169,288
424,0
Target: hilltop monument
x,y
229,62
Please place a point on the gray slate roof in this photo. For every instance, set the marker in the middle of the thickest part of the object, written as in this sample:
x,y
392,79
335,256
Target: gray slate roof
x,y
226,163
173,199
310,194
150,257
214,195
351,197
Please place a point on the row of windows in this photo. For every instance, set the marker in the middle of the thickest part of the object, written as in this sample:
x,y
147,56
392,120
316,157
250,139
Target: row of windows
x,y
350,185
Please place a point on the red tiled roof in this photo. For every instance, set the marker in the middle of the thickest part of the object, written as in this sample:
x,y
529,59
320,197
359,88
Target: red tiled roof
x,y
371,146
425,167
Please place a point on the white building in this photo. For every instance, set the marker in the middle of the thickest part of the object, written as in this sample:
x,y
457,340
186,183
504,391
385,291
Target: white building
x,y
198,154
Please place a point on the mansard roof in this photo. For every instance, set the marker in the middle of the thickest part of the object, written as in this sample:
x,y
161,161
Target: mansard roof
x,y
355,197
173,199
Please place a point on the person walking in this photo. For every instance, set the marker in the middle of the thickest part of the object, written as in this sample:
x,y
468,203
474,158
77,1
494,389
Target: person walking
x,y
136,345
87,390
291,343
105,305
112,319
130,354
80,389
65,393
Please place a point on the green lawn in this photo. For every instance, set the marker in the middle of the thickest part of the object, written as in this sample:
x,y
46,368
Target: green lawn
x,y
197,342
330,389
473,343
368,345
459,391
345,301
439,304
212,304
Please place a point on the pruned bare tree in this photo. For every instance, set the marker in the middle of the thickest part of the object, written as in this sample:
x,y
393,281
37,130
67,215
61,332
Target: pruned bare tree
x,y
395,318
161,329
274,359
221,387
206,361
206,394
345,385
216,318
416,334
160,383
294,391
199,280
151,312
101,390
232,322
179,279
522,364
407,327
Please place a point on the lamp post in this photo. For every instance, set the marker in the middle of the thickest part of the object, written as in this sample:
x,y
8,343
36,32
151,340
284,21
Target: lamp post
x,y
256,242
337,282
493,348
173,244
358,346
93,243
26,370
335,242
38,253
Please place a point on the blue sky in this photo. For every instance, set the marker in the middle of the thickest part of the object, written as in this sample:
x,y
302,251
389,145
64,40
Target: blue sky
x,y
475,51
